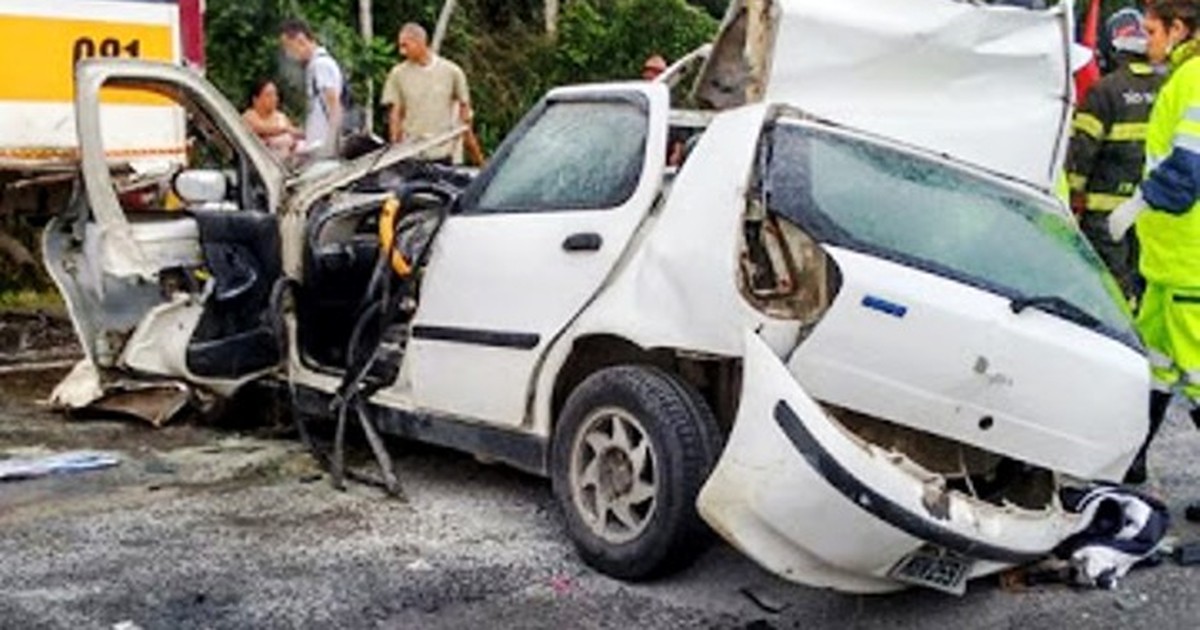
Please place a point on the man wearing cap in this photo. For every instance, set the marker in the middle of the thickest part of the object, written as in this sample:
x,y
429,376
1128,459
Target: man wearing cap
x,y
1106,156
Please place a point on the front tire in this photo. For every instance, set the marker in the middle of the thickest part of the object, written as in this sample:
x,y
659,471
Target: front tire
x,y
633,446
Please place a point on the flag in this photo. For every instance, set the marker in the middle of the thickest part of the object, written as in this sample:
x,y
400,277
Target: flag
x,y
1088,75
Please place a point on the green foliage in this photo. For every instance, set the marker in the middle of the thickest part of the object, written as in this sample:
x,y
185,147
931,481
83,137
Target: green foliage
x,y
243,45
240,45
606,40
45,300
501,44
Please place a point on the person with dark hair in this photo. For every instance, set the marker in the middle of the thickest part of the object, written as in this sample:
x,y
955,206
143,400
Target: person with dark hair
x,y
323,84
653,66
1166,210
267,122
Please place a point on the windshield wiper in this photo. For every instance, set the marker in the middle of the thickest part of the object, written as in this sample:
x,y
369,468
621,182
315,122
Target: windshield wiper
x,y
1056,306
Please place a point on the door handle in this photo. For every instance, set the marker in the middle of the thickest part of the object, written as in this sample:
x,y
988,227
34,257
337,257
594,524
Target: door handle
x,y
583,242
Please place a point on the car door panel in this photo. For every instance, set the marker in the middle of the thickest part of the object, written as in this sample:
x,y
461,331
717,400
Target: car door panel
x,y
140,278
502,284
235,336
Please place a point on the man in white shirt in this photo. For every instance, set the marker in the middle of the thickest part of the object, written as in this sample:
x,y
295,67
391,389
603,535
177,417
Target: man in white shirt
x,y
323,84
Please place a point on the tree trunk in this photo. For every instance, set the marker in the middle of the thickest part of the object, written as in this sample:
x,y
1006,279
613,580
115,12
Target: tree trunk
x,y
551,13
443,24
366,25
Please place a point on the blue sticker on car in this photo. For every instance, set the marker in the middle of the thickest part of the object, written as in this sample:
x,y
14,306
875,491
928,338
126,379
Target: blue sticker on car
x,y
884,306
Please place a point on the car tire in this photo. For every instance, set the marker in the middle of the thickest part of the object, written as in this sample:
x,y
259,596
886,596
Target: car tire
x,y
632,448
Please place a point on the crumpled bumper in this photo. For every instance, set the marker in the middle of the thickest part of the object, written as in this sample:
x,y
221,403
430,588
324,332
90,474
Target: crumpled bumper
x,y
813,503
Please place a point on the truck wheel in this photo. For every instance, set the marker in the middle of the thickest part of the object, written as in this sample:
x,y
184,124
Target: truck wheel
x,y
632,448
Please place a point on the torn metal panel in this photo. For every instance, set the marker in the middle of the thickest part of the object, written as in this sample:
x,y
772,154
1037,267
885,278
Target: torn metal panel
x,y
86,388
726,74
156,404
104,309
990,85
80,388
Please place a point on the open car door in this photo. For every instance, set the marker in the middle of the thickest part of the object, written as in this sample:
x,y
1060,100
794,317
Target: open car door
x,y
166,262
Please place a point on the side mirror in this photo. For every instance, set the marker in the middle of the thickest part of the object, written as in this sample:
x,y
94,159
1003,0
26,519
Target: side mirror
x,y
201,187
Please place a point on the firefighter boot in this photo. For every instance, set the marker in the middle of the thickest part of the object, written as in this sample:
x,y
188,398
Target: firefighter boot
x,y
1159,401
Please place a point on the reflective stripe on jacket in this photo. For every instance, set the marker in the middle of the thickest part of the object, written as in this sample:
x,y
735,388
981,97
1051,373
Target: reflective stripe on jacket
x,y
1106,157
1170,232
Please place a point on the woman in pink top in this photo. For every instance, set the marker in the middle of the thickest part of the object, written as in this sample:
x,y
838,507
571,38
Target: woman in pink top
x,y
264,119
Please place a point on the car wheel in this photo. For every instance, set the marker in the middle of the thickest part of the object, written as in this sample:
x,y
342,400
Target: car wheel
x,y
632,448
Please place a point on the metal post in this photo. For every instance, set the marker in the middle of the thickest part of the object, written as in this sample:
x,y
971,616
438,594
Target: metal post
x,y
443,24
550,9
366,26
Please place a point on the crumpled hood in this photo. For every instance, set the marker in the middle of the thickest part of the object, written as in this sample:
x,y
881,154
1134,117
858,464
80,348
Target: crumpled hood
x,y
989,85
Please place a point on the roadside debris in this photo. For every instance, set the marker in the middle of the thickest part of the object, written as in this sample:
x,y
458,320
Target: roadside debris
x,y
1123,529
1020,579
420,565
156,403
1187,554
28,368
22,468
1131,601
764,600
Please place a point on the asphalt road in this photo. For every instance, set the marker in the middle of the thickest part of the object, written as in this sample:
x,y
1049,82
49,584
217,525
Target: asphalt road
x,y
205,528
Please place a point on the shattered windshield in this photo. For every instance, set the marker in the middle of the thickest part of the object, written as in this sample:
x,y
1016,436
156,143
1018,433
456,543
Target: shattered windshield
x,y
575,155
924,214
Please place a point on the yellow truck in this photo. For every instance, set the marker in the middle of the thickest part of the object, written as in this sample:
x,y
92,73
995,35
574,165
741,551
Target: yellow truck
x,y
40,43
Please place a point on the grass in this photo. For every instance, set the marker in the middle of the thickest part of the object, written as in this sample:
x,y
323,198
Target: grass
x,y
32,300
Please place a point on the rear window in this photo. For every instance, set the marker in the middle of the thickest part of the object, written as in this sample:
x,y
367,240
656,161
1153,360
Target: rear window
x,y
925,214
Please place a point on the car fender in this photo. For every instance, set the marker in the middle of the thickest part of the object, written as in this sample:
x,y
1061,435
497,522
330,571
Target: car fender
x,y
677,287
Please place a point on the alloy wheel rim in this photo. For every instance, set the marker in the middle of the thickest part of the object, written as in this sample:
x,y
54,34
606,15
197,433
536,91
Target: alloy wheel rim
x,y
614,475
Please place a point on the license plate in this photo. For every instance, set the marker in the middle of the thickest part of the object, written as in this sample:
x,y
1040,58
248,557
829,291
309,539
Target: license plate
x,y
934,568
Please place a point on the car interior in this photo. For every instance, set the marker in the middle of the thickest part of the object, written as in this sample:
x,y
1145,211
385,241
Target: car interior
x,y
345,269
218,199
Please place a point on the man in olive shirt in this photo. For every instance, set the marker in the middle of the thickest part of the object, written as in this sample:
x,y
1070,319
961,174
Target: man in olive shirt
x,y
427,95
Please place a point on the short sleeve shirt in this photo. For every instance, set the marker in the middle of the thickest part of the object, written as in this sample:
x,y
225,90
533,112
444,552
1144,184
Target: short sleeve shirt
x,y
320,75
428,94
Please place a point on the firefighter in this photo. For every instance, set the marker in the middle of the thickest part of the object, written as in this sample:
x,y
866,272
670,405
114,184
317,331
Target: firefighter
x,y
1106,155
1166,210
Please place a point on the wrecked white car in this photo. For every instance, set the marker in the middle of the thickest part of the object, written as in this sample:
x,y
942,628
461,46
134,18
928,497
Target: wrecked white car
x,y
862,363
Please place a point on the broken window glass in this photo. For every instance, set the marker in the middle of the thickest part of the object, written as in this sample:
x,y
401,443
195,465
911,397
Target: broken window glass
x,y
577,155
930,215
